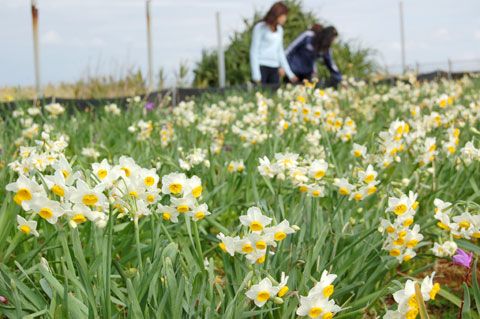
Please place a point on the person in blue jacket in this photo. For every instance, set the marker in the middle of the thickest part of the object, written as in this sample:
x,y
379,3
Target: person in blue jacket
x,y
267,53
309,46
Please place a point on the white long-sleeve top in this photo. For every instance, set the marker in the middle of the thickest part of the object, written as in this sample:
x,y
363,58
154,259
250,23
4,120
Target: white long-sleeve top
x,y
267,49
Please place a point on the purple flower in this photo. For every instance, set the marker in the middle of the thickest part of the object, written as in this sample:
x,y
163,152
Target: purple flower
x,y
4,300
149,106
463,258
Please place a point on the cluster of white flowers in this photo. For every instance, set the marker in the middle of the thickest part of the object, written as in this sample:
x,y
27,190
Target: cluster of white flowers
x,y
406,298
184,194
256,241
236,166
447,249
55,109
144,129
68,194
167,134
112,108
366,184
307,176
41,156
196,157
392,142
184,113
469,153
459,222
401,238
268,289
317,304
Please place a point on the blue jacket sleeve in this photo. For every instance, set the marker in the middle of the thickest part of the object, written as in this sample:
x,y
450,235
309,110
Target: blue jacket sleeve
x,y
254,53
283,59
331,66
297,43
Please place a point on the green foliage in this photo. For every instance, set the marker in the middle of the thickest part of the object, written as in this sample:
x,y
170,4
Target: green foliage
x,y
352,60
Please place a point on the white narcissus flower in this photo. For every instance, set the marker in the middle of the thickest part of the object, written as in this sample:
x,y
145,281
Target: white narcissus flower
x,y
199,212
262,292
27,227
92,197
174,183
168,213
315,306
228,244
25,190
47,209
318,169
359,150
280,231
255,220
183,204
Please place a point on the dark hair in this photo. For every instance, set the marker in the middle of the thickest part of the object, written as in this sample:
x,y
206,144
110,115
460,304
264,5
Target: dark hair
x,y
278,9
323,39
317,27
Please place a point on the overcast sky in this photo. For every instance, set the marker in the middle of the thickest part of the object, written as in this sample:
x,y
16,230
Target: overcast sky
x,y
106,36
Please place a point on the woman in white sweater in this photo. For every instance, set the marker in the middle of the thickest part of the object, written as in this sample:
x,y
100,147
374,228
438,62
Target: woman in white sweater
x,y
267,54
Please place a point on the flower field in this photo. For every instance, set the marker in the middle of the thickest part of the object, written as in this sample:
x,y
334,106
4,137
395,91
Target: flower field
x,y
356,203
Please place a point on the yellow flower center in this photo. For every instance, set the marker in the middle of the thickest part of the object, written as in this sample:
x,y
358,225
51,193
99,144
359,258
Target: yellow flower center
x,y
328,315
182,208
90,199
79,218
319,174
23,194
412,243
45,213
434,291
256,226
390,229
58,190
303,189
149,181
102,173
247,248
358,197
369,178
282,291
464,224
415,205
395,252
279,236
197,191
400,209
261,245
408,222
221,245
407,257
344,191
65,173
167,216
150,198
25,229
200,215
127,171
371,190
314,312
175,188
328,291
133,194
263,295
443,226
261,260
357,153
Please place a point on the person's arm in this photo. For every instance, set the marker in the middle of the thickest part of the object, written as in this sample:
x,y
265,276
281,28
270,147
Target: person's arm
x,y
331,66
254,53
283,59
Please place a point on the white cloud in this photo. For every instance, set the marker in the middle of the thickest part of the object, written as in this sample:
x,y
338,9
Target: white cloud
x,y
50,37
